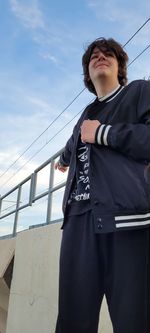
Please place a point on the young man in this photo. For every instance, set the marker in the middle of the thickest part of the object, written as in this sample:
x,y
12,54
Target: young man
x,y
106,231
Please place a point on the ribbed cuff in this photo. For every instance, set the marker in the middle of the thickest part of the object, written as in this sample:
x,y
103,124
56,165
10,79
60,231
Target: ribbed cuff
x,y
102,134
61,162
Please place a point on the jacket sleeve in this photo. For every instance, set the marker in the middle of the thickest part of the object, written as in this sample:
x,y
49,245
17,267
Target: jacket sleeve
x,y
66,155
132,140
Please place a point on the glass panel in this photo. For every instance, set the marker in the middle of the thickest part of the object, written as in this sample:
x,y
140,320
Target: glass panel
x,y
57,204
25,192
34,215
59,177
9,203
6,225
42,180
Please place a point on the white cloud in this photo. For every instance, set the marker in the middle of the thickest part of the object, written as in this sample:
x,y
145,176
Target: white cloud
x,y
21,130
114,12
16,173
29,15
48,56
47,33
38,103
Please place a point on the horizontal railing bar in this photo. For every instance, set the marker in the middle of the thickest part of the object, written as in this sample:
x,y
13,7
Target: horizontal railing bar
x,y
58,187
16,187
36,198
32,192
39,196
24,206
36,170
7,236
13,211
49,160
3,216
56,221
52,190
33,226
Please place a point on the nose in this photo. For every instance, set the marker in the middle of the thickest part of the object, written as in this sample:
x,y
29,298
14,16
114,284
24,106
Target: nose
x,y
101,56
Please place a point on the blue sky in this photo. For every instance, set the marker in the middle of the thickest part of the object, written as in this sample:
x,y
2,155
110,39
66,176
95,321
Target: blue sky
x,y
41,45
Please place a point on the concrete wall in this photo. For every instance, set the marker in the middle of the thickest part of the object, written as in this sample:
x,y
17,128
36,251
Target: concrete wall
x,y
3,320
4,295
34,289
7,248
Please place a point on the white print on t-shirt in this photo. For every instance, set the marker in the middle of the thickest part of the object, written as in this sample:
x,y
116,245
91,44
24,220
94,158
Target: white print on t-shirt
x,y
83,174
83,156
82,187
83,196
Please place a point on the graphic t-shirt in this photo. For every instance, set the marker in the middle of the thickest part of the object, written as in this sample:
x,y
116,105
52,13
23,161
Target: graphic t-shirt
x,y
81,190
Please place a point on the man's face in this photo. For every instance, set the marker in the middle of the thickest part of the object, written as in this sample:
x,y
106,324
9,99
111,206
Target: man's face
x,y
103,64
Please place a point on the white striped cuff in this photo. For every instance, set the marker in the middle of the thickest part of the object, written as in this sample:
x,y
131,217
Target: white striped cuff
x,y
102,134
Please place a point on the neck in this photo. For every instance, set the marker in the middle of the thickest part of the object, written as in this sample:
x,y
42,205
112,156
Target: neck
x,y
104,88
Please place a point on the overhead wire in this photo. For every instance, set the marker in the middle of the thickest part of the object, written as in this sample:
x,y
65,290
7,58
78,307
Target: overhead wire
x,y
63,112
38,151
43,132
138,55
137,31
141,27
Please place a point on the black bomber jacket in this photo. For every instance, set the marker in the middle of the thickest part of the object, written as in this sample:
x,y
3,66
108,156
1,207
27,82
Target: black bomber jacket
x,y
119,160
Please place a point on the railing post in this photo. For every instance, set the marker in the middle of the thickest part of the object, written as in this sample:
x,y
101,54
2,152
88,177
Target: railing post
x,y
17,210
32,188
51,182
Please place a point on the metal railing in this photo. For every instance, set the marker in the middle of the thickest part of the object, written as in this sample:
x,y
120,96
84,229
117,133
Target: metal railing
x,y
33,196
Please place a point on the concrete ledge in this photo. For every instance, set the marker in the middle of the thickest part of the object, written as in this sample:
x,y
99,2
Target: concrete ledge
x,y
7,249
3,319
4,295
34,289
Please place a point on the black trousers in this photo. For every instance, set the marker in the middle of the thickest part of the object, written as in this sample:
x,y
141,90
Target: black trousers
x,y
91,265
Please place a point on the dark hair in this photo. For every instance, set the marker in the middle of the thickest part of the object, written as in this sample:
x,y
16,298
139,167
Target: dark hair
x,y
112,46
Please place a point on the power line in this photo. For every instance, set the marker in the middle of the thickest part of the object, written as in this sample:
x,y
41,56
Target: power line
x,y
137,32
138,55
66,108
64,111
66,124
43,131
64,127
38,151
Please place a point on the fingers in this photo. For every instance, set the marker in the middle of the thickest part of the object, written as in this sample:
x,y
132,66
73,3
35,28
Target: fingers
x,y
59,167
63,169
56,166
84,130
88,129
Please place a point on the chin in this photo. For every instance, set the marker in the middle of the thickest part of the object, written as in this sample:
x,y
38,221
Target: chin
x,y
102,74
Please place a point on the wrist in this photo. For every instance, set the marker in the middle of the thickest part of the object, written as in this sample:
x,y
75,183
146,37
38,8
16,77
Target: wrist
x,y
101,134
